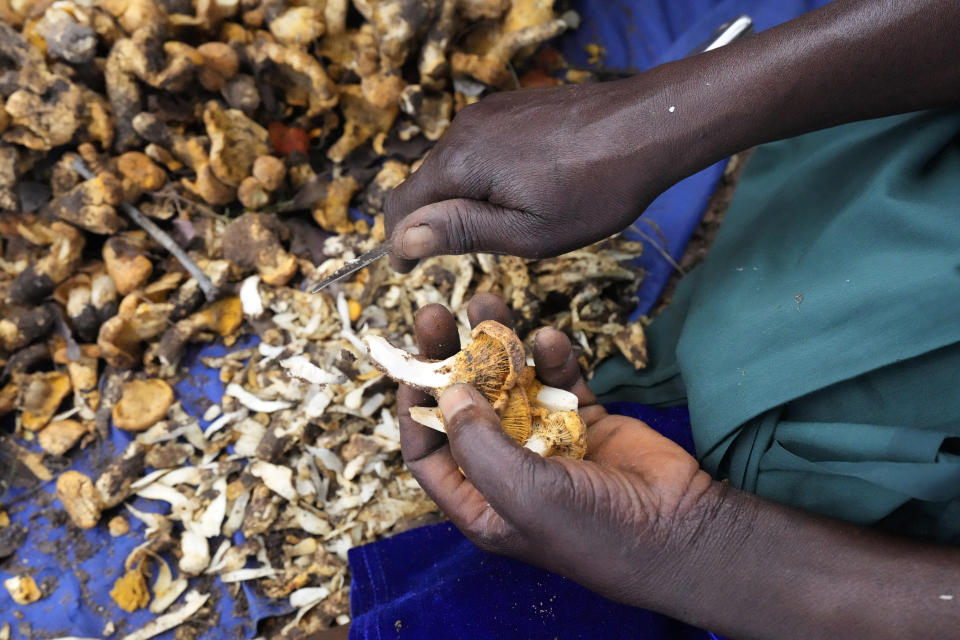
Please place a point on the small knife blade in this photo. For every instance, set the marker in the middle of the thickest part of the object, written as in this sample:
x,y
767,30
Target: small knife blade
x,y
355,265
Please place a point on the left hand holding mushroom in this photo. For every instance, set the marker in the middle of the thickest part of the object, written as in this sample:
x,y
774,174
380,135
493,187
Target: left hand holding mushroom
x,y
609,522
639,522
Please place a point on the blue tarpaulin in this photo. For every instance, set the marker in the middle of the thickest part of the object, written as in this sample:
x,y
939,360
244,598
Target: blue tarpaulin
x,y
432,569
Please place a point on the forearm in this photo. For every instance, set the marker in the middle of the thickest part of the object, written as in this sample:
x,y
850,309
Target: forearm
x,y
753,569
848,61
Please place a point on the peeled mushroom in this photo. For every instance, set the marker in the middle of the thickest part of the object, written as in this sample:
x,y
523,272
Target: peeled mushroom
x,y
541,418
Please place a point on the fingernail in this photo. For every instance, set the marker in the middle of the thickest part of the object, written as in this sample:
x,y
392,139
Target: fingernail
x,y
418,242
454,400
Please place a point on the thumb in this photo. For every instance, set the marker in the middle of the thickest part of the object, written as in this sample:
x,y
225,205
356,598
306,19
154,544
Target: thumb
x,y
461,226
509,476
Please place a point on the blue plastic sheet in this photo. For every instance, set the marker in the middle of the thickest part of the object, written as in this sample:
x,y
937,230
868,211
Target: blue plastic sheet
x,y
80,577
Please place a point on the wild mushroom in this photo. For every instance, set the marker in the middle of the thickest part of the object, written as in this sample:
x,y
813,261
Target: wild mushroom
x,y
301,75
23,589
528,23
143,404
544,419
79,498
91,205
331,213
42,394
235,142
298,26
363,121
82,370
60,436
126,263
139,170
39,279
491,363
220,64
252,241
19,326
222,317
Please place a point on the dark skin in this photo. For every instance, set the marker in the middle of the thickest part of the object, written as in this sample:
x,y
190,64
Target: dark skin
x,y
639,522
540,172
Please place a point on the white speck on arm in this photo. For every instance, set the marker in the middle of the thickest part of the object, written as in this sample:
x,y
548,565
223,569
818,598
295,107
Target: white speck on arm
x,y
672,109
946,596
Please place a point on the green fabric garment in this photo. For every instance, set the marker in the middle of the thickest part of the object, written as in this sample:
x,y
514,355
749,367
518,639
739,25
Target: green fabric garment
x,y
818,347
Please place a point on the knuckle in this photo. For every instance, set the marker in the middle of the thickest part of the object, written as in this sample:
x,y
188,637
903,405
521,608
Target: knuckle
x,y
460,224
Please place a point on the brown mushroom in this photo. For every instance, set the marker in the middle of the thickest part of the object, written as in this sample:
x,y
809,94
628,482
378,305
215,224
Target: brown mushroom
x,y
41,396
80,499
143,404
252,241
60,436
270,172
83,378
126,264
252,194
19,326
39,279
220,64
235,142
91,205
141,171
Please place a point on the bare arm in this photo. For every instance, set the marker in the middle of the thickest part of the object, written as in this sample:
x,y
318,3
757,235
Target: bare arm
x,y
543,171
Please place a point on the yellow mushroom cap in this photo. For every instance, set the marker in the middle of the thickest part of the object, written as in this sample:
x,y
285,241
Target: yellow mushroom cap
x,y
143,404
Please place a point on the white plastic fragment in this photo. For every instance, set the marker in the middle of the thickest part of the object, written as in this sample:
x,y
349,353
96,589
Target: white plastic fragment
x,y
254,403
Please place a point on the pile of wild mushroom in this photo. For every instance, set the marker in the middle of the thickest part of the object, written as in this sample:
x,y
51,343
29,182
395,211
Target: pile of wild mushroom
x,y
175,172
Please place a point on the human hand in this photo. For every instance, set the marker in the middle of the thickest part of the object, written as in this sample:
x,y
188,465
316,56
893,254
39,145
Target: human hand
x,y
536,173
610,522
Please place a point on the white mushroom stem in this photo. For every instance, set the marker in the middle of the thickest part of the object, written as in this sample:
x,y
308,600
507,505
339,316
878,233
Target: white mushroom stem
x,y
191,604
301,367
554,399
254,403
538,445
403,367
196,553
428,417
250,300
242,575
278,479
